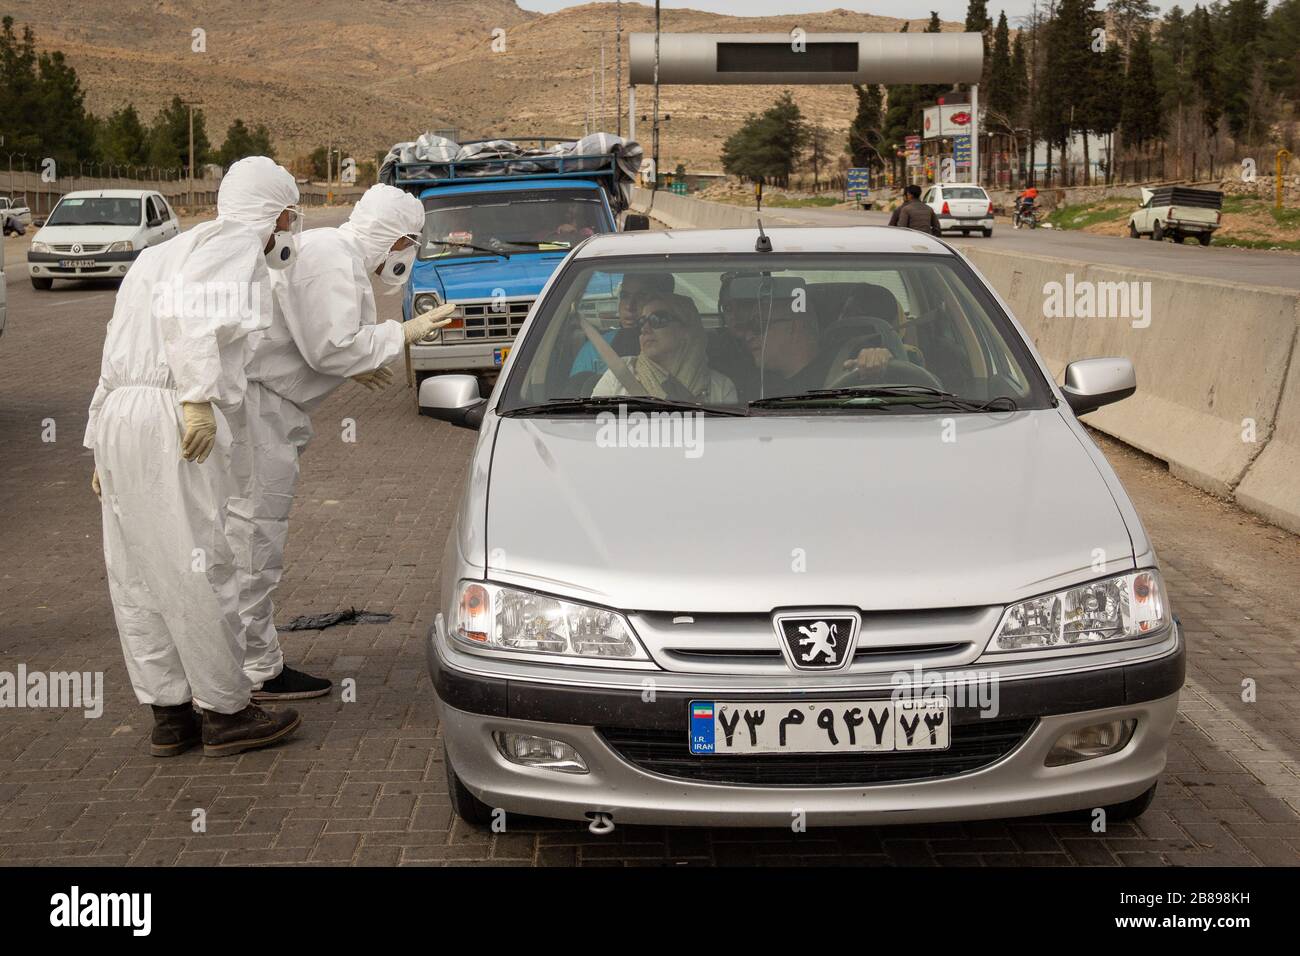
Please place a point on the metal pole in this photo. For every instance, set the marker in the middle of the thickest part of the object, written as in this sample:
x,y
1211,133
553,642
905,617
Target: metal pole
x,y
975,133
603,114
631,112
654,147
191,157
618,65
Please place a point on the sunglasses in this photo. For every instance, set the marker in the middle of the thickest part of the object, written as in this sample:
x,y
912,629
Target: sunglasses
x,y
658,320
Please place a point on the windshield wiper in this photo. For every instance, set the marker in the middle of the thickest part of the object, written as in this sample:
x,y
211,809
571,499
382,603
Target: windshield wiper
x,y
470,245
923,395
637,402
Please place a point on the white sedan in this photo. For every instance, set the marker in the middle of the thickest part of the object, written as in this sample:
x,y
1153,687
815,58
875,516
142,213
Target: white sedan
x,y
961,207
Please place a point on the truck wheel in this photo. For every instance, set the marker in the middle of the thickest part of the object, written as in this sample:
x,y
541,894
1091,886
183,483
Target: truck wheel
x,y
467,806
988,233
1158,232
42,284
1133,231
1204,238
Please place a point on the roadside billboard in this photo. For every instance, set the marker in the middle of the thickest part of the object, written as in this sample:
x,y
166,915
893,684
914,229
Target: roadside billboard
x,y
946,120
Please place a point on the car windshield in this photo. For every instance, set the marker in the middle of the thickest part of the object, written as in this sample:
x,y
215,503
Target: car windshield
x,y
762,332
963,192
98,211
517,221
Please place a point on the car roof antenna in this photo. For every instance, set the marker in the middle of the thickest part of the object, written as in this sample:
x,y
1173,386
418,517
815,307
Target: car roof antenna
x,y
763,244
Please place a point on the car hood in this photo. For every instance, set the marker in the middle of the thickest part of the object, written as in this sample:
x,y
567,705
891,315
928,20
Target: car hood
x,y
480,278
875,511
94,235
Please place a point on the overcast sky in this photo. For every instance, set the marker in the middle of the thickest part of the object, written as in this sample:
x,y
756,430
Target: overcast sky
x,y
911,9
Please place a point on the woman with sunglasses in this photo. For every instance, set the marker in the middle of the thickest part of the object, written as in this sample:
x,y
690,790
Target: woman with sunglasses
x,y
673,362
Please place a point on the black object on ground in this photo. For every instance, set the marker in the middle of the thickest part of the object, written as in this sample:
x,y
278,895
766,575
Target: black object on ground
x,y
318,622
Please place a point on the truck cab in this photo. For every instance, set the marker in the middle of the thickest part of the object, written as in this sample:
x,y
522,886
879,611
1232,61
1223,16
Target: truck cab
x,y
495,231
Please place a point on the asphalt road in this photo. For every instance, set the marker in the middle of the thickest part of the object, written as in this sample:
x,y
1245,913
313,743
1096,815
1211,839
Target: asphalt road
x,y
1248,266
363,783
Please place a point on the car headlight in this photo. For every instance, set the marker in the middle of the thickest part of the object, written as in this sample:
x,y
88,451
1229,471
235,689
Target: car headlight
x,y
39,247
426,302
510,619
1124,608
124,246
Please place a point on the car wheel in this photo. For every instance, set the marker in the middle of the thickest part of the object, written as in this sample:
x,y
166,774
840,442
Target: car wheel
x,y
1133,231
1158,232
1131,809
467,806
988,233
43,284
1203,238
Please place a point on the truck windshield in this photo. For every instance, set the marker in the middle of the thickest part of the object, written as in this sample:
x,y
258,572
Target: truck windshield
x,y
765,333
97,211
512,222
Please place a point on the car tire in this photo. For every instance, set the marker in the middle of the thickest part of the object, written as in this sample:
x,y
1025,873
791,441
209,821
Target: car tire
x,y
1132,231
1204,238
988,233
1158,232
1131,809
43,285
467,806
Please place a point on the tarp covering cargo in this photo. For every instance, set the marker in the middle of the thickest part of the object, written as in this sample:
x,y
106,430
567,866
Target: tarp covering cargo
x,y
433,160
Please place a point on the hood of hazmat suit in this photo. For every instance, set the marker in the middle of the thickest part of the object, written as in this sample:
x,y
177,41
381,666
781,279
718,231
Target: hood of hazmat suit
x,y
185,319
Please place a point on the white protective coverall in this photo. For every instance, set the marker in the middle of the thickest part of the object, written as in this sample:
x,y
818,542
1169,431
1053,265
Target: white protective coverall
x,y
323,330
182,330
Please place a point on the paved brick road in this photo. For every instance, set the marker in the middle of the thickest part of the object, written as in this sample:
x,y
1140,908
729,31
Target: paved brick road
x,y
363,782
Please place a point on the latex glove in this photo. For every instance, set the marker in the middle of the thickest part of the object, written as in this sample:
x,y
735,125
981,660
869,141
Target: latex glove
x,y
376,381
94,484
200,431
426,322
869,360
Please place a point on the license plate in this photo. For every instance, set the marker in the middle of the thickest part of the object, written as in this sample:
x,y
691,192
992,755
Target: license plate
x,y
824,726
77,263
499,356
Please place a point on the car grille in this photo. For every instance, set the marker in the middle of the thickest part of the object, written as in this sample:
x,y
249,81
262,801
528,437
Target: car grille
x,y
974,745
86,248
490,320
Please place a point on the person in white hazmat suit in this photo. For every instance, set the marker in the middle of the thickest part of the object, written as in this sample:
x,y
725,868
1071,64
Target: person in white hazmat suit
x,y
186,317
323,332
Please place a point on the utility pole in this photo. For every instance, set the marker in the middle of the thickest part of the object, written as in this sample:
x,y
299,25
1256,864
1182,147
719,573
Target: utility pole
x,y
618,65
191,104
654,146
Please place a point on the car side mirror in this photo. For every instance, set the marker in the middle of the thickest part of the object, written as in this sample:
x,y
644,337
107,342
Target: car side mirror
x,y
453,399
154,222
636,222
1092,383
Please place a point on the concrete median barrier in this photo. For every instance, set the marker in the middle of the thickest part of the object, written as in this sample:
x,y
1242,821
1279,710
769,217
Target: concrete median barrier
x,y
1218,363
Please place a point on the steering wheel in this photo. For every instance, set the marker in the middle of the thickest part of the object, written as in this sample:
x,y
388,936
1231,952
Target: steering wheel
x,y
894,372
884,334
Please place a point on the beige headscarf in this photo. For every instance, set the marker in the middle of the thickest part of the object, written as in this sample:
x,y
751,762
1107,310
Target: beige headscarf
x,y
689,365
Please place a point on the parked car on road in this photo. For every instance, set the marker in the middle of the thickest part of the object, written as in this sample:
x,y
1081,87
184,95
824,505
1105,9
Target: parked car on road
x,y
961,208
15,218
1177,212
859,561
97,234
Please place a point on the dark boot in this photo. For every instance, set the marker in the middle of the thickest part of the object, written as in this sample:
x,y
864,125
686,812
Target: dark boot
x,y
253,727
175,730
290,684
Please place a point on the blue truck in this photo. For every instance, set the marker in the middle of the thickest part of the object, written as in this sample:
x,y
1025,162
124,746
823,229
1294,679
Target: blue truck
x,y
495,230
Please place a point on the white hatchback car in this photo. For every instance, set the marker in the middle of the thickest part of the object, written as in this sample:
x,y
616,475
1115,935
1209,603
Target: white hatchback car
x,y
96,234
961,207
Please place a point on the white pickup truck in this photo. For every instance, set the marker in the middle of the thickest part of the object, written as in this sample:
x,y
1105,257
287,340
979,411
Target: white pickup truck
x,y
1176,212
11,213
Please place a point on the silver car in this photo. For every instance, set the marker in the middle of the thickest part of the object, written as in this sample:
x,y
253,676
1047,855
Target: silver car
x,y
763,528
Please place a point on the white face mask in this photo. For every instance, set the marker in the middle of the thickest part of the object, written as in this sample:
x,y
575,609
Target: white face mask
x,y
397,267
283,248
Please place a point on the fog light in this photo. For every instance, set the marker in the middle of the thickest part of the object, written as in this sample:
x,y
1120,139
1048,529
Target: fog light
x,y
529,751
1084,743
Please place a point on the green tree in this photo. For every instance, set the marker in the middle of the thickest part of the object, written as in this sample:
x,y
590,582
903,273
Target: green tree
x,y
1282,49
767,147
1141,117
169,137
865,134
1205,70
242,141
1241,53
123,139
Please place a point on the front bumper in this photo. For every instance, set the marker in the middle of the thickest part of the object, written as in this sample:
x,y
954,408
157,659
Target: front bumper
x,y
460,356
1017,783
107,265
